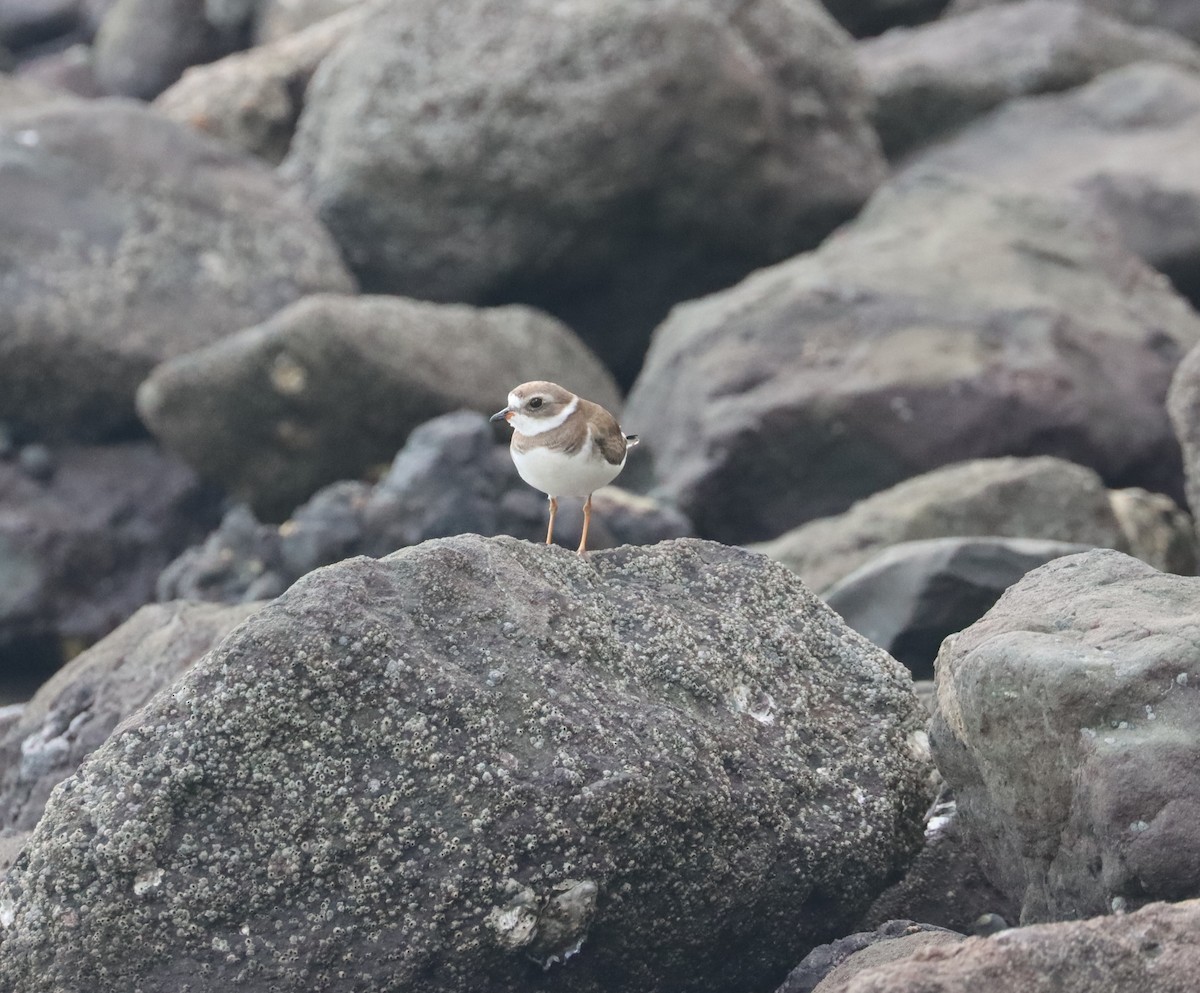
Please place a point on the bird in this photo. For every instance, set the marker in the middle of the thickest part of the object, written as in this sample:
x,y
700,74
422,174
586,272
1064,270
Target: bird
x,y
564,445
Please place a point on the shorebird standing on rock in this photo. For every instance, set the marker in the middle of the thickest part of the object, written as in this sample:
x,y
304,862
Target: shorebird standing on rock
x,y
564,445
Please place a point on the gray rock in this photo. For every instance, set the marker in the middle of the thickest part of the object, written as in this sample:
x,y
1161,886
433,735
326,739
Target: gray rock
x,y
600,159
1127,144
252,100
77,709
1041,497
11,843
1067,726
452,477
913,595
31,22
127,239
1180,16
69,71
951,320
143,46
331,387
868,17
82,551
276,19
930,80
827,969
1155,949
673,765
1156,530
1183,403
21,93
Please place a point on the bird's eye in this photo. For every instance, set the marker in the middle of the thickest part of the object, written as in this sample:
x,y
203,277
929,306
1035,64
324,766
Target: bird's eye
x,y
535,402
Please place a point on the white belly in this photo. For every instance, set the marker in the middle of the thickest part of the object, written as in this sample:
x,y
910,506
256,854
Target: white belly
x,y
556,474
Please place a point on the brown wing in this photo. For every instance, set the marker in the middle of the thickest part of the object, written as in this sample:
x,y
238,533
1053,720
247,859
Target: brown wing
x,y
606,434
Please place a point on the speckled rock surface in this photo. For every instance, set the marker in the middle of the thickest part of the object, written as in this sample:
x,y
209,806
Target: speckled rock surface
x,y
951,320
599,159
1040,497
127,239
1067,723
77,709
450,768
331,387
1156,949
1183,402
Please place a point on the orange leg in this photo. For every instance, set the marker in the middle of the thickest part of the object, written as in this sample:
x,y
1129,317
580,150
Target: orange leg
x,y
550,528
587,520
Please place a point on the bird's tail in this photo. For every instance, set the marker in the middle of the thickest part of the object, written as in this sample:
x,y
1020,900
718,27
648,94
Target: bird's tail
x,y
631,440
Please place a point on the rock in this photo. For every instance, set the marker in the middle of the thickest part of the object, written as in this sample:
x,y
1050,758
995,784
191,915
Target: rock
x,y
30,22
1067,726
951,320
11,843
126,240
1184,406
69,70
1156,530
599,159
913,595
332,386
251,100
930,80
21,93
450,478
869,17
1155,949
945,886
1127,144
81,551
276,19
1040,497
1180,16
73,713
143,46
673,765
827,969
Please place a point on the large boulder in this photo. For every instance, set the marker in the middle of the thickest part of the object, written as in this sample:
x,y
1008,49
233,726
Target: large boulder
x,y
1157,949
913,595
78,708
1127,144
331,387
126,239
1180,16
600,159
1040,497
452,769
82,542
951,320
929,80
1068,725
450,478
252,100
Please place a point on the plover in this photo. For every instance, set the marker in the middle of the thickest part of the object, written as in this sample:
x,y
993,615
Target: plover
x,y
564,445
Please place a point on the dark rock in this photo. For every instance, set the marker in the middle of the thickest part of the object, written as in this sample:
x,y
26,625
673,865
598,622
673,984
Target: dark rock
x,y
29,22
127,239
331,387
452,477
1127,145
944,885
599,160
951,320
1040,497
913,595
1180,16
81,552
674,765
143,46
252,100
1155,949
73,713
1067,726
828,968
869,17
1184,406
930,80
37,462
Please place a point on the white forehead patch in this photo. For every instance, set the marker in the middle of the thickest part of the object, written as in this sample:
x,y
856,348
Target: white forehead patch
x,y
527,425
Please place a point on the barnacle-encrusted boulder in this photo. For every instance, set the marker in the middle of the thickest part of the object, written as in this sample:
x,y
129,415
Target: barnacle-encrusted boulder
x,y
484,764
